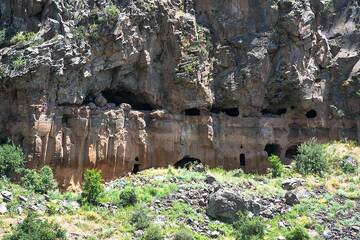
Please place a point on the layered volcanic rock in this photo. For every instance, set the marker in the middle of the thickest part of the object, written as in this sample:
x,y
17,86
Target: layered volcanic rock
x,y
129,85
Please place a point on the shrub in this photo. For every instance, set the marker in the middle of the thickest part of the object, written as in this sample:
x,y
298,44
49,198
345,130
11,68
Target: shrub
x,y
183,234
93,186
311,158
298,233
2,35
153,233
19,63
33,228
110,14
22,37
248,228
12,160
277,167
41,181
348,164
128,197
140,219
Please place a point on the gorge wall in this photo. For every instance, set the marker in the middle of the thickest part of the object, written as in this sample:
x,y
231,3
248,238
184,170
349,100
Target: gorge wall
x,y
150,82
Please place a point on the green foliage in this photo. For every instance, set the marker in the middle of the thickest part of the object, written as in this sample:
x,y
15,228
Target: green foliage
x,y
128,197
111,14
140,218
93,186
153,233
2,71
183,234
311,158
33,228
41,181
277,168
2,35
348,164
22,37
249,228
12,160
298,233
19,63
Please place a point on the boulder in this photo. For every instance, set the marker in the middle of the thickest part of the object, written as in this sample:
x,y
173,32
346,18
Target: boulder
x,y
225,204
3,208
291,198
7,196
290,184
210,179
100,101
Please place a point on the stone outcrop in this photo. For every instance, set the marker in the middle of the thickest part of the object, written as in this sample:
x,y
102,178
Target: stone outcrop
x,y
148,83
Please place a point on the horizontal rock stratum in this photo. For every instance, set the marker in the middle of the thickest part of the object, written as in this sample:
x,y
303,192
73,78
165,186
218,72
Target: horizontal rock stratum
x,y
128,85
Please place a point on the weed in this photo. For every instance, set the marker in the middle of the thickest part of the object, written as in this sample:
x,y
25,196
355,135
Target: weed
x,y
23,37
248,228
277,167
153,232
19,63
140,218
298,233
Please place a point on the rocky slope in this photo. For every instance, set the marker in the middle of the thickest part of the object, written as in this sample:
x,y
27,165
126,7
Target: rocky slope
x,y
128,85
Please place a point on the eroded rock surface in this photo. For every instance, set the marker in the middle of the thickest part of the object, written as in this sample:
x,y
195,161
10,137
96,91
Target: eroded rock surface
x,y
224,82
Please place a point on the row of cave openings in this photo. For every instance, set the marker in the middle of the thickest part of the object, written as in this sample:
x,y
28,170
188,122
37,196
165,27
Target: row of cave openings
x,y
270,149
140,103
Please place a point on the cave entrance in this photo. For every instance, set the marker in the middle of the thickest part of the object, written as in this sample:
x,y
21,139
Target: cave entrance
x,y
122,96
192,112
291,152
242,160
136,167
187,162
273,149
273,113
311,114
232,112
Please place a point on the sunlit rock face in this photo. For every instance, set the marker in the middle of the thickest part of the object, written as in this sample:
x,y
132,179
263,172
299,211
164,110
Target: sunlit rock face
x,y
224,82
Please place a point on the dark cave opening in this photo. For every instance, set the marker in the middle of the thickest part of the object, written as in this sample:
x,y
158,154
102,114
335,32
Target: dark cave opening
x,y
232,112
242,160
192,112
291,152
273,149
311,114
187,162
122,96
271,113
136,167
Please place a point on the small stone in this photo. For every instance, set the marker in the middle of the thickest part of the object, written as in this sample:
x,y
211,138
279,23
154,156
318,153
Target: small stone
x,y
23,199
210,179
290,184
327,234
281,238
3,208
291,198
7,196
199,168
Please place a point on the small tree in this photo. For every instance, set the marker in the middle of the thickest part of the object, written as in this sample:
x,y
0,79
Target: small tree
x,y
311,158
93,186
128,197
153,233
12,160
33,228
248,228
41,181
277,167
298,233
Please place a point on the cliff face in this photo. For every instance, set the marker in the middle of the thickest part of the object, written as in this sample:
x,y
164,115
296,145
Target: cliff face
x,y
123,84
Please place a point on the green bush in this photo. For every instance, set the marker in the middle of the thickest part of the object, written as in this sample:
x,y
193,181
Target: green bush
x,y
22,37
128,197
153,233
140,219
109,15
93,186
249,228
19,63
277,167
41,181
348,164
183,234
311,158
12,160
298,233
33,228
